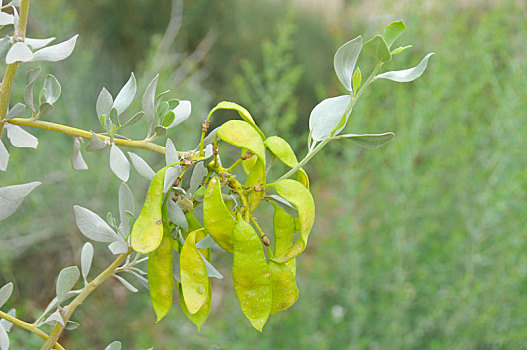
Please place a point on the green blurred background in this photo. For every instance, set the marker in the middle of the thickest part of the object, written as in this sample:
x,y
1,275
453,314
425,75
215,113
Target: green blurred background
x,y
417,245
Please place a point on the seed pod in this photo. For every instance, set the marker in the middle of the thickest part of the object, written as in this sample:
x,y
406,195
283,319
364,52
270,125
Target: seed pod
x,y
147,231
193,225
284,227
298,195
250,274
284,290
256,177
195,283
217,218
201,316
160,280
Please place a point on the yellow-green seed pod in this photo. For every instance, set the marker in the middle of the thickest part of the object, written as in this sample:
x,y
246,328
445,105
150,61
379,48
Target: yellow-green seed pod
x,y
250,274
160,280
194,280
284,227
193,225
298,195
284,290
147,231
217,218
256,178
283,151
201,316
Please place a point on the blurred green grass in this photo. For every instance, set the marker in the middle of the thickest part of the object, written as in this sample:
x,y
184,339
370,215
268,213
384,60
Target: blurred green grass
x,y
417,245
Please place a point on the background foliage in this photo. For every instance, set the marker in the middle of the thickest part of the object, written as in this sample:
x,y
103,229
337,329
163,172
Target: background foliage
x,y
416,245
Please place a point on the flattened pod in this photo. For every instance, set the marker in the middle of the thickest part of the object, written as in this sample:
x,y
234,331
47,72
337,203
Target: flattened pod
x,y
201,316
217,218
160,280
298,195
147,231
194,280
284,227
250,273
284,290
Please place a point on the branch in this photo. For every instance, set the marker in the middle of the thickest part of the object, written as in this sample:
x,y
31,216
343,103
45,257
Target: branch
x,y
9,76
79,299
28,327
85,134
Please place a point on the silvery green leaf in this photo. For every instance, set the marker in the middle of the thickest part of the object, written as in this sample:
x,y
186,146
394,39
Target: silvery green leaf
x,y
71,325
15,3
96,143
32,77
77,162
176,215
326,117
135,118
126,284
149,102
143,281
104,102
116,345
209,152
371,141
6,19
86,259
93,226
162,109
16,111
181,112
119,163
118,247
68,276
171,155
197,177
141,166
284,204
406,75
54,318
160,130
4,339
53,89
125,96
345,60
211,270
12,196
36,44
45,108
20,138
4,46
19,52
393,31
16,18
111,220
126,204
57,52
207,242
175,265
171,174
187,175
209,139
377,47
53,303
5,323
5,293
4,157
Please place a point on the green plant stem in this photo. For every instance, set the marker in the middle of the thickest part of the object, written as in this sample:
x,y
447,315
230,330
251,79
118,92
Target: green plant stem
x,y
28,327
85,134
324,142
9,76
79,299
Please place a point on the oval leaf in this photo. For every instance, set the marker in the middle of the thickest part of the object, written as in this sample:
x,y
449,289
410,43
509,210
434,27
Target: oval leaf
x,y
12,196
20,138
104,102
125,97
77,161
141,166
115,345
65,282
86,259
393,31
5,293
406,75
19,52
93,226
119,163
377,47
149,101
53,89
326,118
370,140
181,113
345,60
57,52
